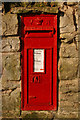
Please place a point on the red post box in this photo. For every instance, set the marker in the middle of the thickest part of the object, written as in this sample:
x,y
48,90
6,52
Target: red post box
x,y
39,62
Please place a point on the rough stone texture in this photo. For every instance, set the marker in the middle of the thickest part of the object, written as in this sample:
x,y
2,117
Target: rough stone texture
x,y
72,3
0,65
69,86
69,102
68,37
6,85
68,50
11,66
68,68
67,22
10,44
11,98
35,9
66,115
38,114
68,99
9,24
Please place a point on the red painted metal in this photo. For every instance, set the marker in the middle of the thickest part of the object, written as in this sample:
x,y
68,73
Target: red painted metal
x,y
39,89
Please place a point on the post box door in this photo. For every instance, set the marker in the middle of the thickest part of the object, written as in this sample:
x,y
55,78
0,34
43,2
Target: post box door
x,y
39,76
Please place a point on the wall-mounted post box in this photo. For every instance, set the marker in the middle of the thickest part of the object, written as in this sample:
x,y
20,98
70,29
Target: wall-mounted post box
x,y
39,62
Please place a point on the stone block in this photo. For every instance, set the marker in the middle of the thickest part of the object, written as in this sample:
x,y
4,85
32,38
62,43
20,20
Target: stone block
x,y
69,103
69,86
6,85
11,103
10,44
5,101
66,24
72,3
37,115
68,37
65,115
68,50
68,107
68,68
9,24
69,97
11,66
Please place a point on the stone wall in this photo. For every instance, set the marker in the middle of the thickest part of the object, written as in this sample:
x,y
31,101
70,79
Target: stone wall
x,y
68,61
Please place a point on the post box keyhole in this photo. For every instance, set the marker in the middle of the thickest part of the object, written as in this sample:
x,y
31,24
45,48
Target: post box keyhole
x,y
35,79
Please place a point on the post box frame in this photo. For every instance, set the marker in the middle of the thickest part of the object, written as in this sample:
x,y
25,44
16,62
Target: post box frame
x,y
24,54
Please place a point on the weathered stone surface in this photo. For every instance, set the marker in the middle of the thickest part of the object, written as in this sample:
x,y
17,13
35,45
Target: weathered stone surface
x,y
66,115
64,21
69,86
0,65
6,85
68,37
67,24
6,101
35,9
72,3
9,24
11,66
68,101
68,68
70,96
67,29
68,50
10,44
38,114
11,103
66,9
68,104
15,98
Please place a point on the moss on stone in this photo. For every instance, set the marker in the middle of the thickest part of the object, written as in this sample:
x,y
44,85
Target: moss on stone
x,y
29,116
44,115
24,6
